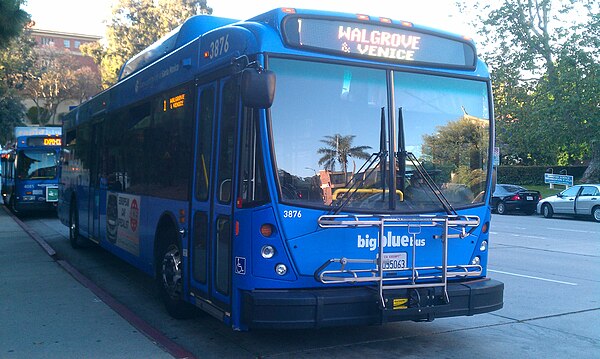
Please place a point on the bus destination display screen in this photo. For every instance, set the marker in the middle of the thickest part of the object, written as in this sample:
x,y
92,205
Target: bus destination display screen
x,y
385,43
43,141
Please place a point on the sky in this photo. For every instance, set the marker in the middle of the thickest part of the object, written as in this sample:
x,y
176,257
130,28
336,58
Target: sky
x,y
91,16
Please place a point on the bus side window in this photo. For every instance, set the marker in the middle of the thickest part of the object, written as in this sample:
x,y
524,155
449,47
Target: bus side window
x,y
205,135
252,184
229,114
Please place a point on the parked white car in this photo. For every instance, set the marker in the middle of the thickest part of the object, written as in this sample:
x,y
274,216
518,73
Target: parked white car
x,y
581,199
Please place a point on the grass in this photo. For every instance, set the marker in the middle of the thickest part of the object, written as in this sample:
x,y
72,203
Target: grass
x,y
545,190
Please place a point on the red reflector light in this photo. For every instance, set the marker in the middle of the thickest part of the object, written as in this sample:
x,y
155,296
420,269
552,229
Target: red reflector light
x,y
385,20
266,230
288,10
362,17
237,228
485,227
515,197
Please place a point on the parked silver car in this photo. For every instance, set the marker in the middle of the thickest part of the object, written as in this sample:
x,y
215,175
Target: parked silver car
x,y
581,199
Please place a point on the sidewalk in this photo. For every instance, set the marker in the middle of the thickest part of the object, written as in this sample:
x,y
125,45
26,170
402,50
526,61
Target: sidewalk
x,y
46,313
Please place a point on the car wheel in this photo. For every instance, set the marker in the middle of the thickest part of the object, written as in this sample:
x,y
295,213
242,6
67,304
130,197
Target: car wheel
x,y
596,213
501,208
547,210
170,281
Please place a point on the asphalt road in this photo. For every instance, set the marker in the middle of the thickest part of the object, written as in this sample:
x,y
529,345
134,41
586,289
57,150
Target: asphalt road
x,y
550,267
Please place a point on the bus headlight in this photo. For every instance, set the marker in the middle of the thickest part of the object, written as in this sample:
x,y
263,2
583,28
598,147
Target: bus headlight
x,y
476,261
281,269
267,251
483,246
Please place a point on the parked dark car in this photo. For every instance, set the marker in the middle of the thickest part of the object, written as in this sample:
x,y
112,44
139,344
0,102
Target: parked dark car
x,y
512,198
579,200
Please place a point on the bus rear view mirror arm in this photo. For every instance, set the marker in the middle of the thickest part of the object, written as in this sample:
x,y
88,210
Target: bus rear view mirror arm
x,y
258,88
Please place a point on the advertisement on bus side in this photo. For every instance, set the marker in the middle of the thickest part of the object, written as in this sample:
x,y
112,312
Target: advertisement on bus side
x,y
122,221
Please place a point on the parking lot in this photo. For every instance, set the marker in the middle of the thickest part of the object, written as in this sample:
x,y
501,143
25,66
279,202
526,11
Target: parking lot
x,y
550,268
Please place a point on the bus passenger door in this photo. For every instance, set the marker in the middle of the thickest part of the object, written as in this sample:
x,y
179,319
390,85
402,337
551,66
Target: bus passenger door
x,y
95,173
212,203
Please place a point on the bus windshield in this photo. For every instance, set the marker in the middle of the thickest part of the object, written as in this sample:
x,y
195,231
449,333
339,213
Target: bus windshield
x,y
330,135
36,164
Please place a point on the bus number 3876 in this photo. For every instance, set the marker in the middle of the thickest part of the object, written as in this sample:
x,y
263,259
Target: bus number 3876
x,y
219,47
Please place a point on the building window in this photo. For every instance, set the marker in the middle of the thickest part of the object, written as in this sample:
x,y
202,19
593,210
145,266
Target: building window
x,y
77,44
47,41
67,44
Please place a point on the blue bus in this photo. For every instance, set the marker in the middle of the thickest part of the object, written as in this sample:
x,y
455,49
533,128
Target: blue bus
x,y
29,173
298,169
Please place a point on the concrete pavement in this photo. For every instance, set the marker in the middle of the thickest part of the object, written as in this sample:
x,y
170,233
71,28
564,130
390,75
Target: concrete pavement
x,y
45,312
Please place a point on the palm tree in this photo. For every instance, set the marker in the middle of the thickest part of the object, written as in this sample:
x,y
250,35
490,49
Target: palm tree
x,y
339,149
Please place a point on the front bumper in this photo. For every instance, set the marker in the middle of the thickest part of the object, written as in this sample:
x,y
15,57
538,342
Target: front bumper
x,y
313,308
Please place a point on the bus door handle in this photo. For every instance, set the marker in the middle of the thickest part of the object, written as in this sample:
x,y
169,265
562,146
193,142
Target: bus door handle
x,y
221,186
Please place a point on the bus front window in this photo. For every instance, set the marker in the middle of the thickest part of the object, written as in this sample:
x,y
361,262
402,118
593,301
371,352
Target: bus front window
x,y
331,136
35,164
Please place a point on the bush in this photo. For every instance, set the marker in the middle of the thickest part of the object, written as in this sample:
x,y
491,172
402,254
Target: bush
x,y
534,175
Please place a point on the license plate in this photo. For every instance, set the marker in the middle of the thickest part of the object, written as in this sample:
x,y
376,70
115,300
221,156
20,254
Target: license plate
x,y
529,198
394,261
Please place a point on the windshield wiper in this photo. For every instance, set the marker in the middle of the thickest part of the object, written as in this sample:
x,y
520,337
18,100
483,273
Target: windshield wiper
x,y
368,168
401,157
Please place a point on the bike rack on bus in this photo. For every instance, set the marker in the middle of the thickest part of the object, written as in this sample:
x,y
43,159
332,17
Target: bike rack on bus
x,y
436,276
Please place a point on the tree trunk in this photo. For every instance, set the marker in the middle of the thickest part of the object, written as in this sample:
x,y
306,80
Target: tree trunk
x,y
592,173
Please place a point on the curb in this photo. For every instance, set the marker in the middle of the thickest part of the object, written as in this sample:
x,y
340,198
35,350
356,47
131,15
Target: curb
x,y
141,325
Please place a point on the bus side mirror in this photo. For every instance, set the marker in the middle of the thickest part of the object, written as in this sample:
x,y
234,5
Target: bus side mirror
x,y
258,88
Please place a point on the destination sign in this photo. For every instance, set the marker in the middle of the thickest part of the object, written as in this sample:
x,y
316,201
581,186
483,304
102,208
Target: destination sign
x,y
380,42
174,102
44,141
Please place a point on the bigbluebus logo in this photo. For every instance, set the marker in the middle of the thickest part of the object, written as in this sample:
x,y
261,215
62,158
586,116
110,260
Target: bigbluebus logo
x,y
389,241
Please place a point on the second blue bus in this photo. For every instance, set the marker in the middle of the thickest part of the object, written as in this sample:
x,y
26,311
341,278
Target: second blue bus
x,y
29,173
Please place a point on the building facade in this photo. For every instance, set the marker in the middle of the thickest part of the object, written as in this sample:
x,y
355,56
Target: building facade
x,y
70,43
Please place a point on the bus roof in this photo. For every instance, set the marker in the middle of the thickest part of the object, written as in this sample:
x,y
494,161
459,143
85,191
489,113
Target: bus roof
x,y
199,25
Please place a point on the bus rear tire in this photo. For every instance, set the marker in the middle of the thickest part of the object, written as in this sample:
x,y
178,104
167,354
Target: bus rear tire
x,y
169,280
74,236
12,205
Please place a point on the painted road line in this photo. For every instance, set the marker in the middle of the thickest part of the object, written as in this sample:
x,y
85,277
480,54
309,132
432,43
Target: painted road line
x,y
573,230
531,277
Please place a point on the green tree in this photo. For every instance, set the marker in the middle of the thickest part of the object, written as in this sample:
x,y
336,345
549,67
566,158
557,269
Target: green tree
x,y
544,57
135,25
12,20
461,143
339,150
16,60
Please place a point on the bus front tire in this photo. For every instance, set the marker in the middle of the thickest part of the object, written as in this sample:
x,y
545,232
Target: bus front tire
x,y
170,281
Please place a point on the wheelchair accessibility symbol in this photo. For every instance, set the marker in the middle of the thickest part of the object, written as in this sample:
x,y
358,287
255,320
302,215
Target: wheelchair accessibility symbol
x,y
240,265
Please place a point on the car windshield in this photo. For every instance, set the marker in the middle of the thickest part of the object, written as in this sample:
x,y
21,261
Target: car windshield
x,y
36,164
330,136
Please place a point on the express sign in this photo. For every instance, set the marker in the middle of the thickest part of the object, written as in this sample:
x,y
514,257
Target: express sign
x,y
378,41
